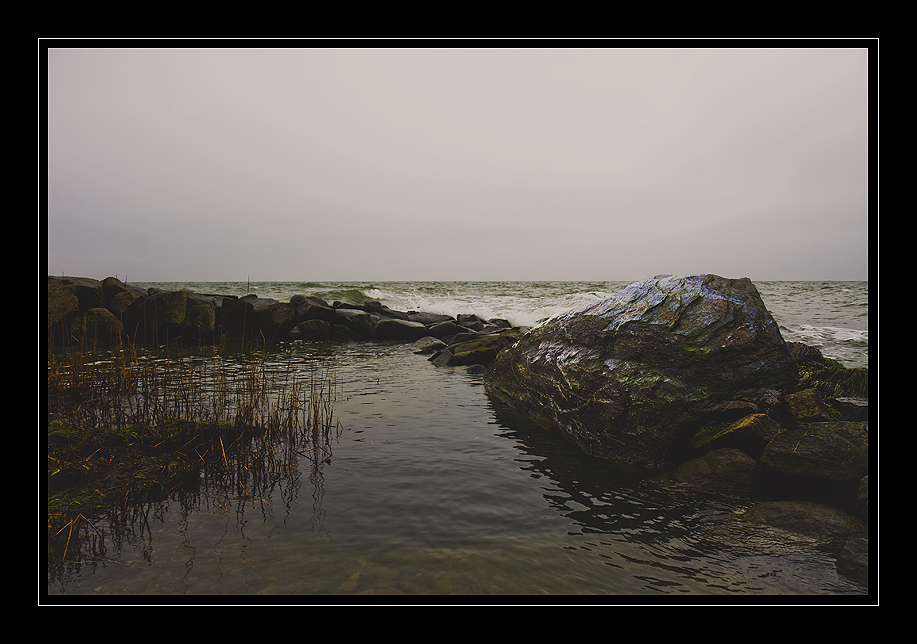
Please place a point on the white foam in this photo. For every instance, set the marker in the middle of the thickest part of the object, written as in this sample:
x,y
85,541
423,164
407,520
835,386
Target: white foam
x,y
833,333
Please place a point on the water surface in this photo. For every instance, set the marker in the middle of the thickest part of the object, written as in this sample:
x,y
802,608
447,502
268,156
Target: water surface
x,y
431,488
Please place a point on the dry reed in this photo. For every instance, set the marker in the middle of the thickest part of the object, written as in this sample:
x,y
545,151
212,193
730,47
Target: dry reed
x,y
126,429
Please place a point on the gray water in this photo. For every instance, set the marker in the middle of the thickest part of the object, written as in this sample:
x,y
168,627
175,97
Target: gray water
x,y
433,489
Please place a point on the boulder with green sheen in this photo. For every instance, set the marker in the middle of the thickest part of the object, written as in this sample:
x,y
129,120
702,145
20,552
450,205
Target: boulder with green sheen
x,y
750,433
808,406
633,377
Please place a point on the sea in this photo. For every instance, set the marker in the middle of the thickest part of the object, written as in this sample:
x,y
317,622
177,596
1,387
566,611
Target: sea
x,y
430,491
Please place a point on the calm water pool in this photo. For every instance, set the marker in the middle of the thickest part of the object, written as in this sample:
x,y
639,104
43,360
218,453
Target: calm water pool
x,y
432,489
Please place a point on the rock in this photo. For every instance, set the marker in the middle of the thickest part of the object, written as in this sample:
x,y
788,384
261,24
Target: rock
x,y
751,434
343,333
428,344
832,452
312,331
311,308
97,327
120,302
853,560
500,323
851,408
470,321
200,319
398,330
719,469
253,318
445,329
158,318
807,406
483,349
63,304
429,319
829,376
358,321
464,336
382,310
630,378
475,348
88,291
112,287
273,320
443,358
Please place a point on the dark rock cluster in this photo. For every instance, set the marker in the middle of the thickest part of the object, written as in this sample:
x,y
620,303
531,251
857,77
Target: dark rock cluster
x,y
84,312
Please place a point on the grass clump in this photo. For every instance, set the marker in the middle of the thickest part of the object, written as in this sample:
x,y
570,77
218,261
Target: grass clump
x,y
126,430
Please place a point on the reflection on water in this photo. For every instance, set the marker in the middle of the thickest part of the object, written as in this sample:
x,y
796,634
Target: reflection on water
x,y
430,488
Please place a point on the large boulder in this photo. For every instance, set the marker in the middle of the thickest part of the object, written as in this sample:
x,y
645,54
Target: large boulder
x,y
633,377
201,317
68,297
254,318
313,330
428,319
398,330
121,301
751,434
157,318
808,406
112,287
97,327
359,322
724,468
63,304
312,308
88,291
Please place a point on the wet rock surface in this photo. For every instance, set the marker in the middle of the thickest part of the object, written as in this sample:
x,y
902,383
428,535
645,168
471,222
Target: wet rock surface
x,y
631,377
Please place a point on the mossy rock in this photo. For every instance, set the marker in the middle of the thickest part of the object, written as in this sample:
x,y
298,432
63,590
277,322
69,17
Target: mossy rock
x,y
750,433
808,406
829,376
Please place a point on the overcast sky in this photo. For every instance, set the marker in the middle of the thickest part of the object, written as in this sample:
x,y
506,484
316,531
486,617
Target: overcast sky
x,y
457,164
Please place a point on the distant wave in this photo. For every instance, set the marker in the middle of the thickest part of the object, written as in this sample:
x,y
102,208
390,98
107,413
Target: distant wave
x,y
849,346
832,333
348,295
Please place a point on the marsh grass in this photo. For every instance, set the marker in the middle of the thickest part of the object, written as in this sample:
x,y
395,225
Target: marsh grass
x,y
127,430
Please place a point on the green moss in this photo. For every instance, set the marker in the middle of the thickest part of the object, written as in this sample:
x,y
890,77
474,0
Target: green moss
x,y
833,380
708,433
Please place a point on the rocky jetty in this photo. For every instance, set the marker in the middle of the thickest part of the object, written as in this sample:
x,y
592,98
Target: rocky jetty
x,y
84,312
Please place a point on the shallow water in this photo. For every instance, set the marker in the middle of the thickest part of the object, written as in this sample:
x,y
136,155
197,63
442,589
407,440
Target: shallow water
x,y
433,489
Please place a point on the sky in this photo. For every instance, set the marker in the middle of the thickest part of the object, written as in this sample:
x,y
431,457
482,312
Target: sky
x,y
454,163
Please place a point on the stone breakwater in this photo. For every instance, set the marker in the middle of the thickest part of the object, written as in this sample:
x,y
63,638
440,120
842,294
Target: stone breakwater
x,y
85,312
